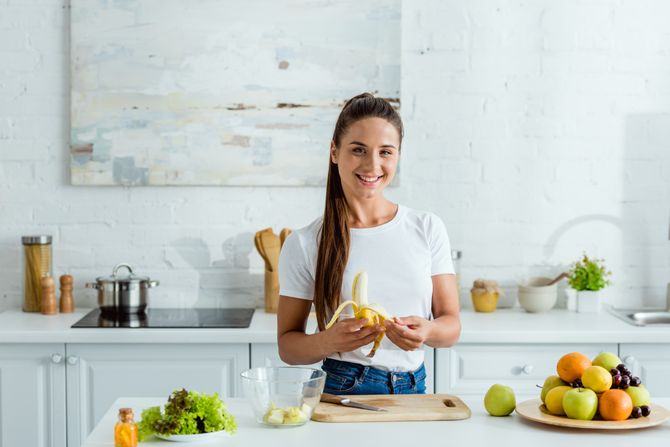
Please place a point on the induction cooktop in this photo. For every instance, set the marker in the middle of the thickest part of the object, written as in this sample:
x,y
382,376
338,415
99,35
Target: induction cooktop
x,y
169,318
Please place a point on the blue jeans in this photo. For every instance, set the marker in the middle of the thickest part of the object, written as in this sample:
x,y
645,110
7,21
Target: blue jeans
x,y
352,378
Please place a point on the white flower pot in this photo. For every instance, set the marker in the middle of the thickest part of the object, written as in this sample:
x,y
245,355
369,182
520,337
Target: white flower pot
x,y
588,301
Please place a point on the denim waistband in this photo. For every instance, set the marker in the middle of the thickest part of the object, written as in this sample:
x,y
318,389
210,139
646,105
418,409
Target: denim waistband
x,y
375,373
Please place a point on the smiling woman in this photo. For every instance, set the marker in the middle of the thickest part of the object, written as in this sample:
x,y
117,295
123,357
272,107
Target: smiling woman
x,y
405,253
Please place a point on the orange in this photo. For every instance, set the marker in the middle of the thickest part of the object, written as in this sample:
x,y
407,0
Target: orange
x,y
571,366
615,405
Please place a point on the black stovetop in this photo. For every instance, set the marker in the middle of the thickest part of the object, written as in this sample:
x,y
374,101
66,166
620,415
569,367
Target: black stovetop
x,y
170,318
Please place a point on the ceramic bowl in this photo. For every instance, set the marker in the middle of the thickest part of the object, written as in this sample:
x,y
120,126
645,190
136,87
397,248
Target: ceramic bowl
x,y
536,296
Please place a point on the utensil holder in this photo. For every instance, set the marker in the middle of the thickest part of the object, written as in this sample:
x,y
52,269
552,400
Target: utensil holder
x,y
271,291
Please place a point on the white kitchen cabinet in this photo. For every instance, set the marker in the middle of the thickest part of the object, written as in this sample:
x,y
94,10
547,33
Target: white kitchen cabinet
x,y
473,368
651,362
267,354
98,374
32,395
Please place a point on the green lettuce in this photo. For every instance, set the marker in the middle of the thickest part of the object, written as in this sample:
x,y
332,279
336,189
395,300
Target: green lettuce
x,y
187,413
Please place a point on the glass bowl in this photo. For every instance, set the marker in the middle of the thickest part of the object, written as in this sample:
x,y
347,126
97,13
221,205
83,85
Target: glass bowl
x,y
283,396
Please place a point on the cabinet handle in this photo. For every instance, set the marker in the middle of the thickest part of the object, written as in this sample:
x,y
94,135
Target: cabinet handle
x,y
56,358
527,369
629,360
72,360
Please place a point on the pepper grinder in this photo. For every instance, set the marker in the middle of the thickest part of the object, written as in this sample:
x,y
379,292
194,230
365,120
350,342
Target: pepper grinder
x,y
48,306
66,300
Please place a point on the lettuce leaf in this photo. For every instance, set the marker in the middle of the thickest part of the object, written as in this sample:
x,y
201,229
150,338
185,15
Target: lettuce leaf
x,y
187,413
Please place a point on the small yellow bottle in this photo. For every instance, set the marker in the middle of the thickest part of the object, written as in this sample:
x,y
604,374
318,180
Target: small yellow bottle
x,y
125,431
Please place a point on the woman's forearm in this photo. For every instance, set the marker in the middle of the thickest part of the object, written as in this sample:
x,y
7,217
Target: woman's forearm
x,y
298,348
444,332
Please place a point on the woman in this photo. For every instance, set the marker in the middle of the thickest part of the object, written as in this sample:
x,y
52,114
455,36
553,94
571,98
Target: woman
x,y
405,252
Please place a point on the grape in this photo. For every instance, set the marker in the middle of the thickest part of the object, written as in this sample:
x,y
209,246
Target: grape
x,y
637,412
635,381
577,383
625,382
646,411
616,380
621,367
614,372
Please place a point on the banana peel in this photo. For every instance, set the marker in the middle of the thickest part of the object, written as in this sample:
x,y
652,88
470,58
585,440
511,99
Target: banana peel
x,y
373,313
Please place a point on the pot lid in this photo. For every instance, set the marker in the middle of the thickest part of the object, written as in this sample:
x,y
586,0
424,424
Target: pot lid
x,y
129,276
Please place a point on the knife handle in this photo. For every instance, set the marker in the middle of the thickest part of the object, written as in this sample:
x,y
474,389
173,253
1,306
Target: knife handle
x,y
331,398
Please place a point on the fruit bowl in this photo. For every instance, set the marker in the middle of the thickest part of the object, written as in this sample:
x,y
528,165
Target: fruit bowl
x,y
283,396
534,410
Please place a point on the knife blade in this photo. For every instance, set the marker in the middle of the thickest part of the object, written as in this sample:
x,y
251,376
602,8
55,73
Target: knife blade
x,y
333,399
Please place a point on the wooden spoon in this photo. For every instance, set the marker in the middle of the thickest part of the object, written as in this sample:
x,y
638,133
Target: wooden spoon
x,y
259,246
271,246
283,235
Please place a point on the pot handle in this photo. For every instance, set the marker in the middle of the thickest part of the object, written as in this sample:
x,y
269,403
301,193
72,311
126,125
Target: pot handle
x,y
123,264
150,284
92,285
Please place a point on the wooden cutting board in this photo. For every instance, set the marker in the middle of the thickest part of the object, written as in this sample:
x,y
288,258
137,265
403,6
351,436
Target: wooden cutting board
x,y
400,407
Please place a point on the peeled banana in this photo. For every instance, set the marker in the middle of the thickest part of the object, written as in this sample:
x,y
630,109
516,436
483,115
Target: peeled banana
x,y
374,313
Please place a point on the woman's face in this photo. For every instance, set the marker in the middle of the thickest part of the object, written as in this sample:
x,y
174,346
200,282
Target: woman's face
x,y
367,158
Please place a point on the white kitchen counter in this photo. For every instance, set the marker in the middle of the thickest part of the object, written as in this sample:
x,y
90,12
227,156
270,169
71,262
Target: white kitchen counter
x,y
479,430
502,326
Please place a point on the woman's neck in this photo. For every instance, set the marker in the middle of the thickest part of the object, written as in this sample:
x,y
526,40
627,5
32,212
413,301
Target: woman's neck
x,y
371,213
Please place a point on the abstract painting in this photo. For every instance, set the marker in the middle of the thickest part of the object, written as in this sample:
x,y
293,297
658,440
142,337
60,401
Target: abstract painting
x,y
211,92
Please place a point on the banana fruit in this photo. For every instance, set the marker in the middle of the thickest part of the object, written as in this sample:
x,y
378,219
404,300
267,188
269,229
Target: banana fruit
x,y
374,313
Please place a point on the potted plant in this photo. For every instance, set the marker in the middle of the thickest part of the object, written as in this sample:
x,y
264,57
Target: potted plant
x,y
587,277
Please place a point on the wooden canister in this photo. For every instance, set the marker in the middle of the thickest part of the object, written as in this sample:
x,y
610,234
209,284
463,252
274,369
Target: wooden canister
x,y
271,291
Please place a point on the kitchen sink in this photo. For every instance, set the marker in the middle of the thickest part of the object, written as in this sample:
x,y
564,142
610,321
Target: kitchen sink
x,y
643,317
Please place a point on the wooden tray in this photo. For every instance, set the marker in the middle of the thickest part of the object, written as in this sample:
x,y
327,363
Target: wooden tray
x,y
535,410
400,407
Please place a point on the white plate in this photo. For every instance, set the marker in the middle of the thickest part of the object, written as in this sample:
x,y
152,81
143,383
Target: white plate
x,y
201,437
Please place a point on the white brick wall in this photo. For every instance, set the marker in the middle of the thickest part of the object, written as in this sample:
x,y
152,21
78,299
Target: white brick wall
x,y
535,129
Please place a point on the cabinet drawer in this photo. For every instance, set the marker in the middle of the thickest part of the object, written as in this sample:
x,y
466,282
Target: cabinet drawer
x,y
473,368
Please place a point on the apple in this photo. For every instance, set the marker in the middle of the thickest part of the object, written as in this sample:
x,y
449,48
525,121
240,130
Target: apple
x,y
499,400
607,360
549,383
554,399
580,403
639,394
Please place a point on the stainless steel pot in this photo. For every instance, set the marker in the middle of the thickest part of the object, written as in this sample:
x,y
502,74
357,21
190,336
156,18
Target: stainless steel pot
x,y
122,294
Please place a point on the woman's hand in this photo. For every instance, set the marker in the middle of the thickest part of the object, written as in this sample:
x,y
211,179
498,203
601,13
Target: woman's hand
x,y
349,334
408,333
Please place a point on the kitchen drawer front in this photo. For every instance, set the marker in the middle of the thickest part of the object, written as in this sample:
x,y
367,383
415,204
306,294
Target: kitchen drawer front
x,y
473,368
651,362
267,354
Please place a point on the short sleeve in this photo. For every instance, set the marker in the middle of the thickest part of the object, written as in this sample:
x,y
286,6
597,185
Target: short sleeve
x,y
295,279
440,247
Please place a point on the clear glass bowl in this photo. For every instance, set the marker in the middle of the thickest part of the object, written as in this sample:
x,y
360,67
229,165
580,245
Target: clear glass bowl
x,y
284,395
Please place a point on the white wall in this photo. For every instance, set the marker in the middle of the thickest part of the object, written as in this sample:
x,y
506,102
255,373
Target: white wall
x,y
536,129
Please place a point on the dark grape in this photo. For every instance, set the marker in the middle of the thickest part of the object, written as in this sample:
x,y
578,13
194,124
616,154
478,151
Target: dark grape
x,y
625,382
616,380
621,367
635,381
646,411
637,412
614,371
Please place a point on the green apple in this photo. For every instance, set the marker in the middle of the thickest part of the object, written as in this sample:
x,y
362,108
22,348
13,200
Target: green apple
x,y
499,400
549,383
580,403
607,360
639,394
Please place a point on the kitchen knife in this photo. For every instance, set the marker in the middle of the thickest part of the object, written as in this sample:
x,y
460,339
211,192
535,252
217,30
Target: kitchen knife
x,y
340,400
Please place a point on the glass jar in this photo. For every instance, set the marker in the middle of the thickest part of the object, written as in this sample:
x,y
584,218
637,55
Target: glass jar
x,y
456,256
125,431
37,263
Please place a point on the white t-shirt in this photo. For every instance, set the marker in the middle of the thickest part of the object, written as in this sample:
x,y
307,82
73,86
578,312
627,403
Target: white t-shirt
x,y
399,256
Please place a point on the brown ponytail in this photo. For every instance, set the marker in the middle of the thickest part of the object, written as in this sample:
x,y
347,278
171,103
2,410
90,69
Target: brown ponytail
x,y
333,237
